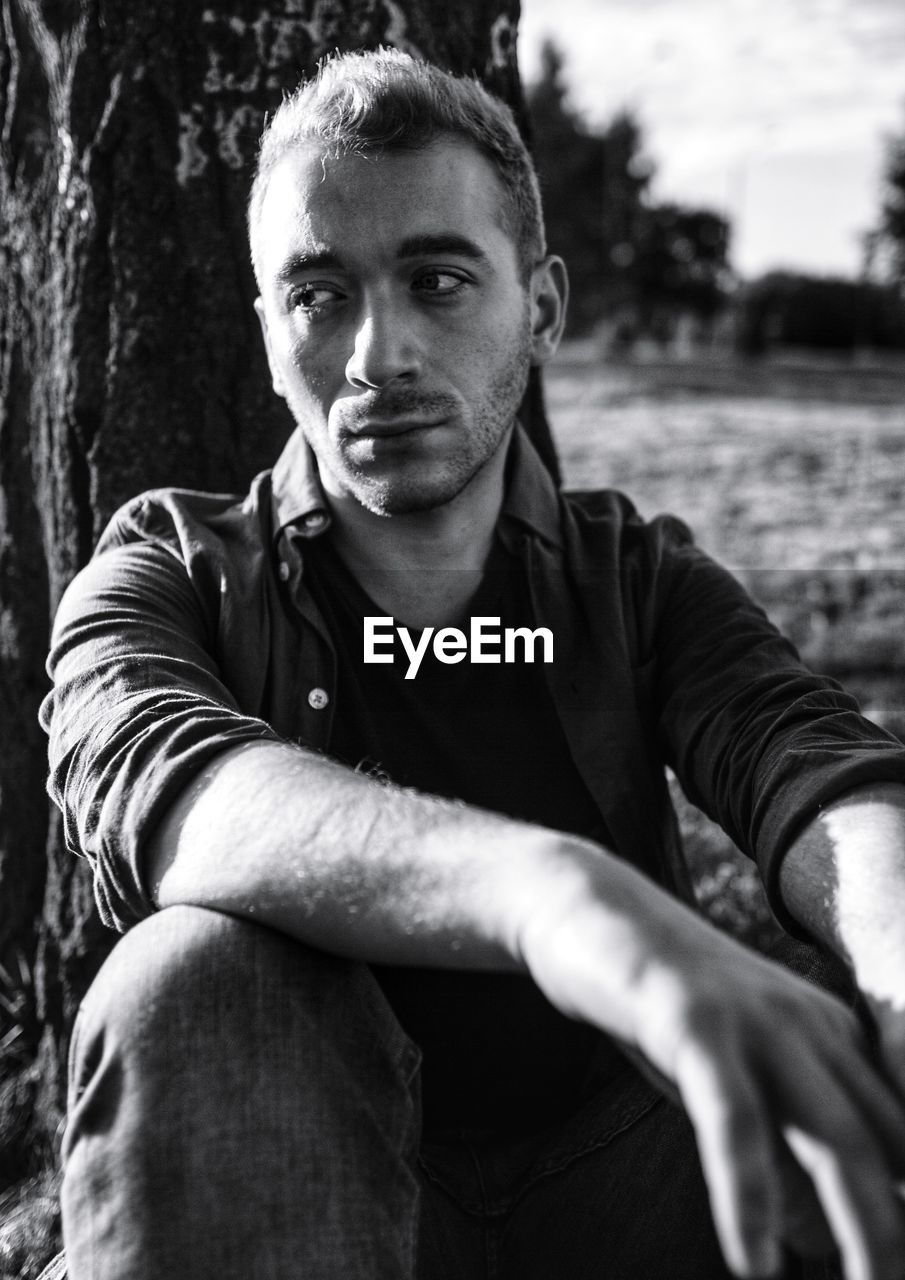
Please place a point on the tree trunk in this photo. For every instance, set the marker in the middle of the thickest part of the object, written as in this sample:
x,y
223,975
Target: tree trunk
x,y
130,357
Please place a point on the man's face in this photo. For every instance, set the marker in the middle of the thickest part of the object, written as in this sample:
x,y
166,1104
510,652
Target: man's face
x,y
397,325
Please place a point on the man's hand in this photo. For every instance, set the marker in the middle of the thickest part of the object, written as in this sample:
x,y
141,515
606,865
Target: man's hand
x,y
801,1140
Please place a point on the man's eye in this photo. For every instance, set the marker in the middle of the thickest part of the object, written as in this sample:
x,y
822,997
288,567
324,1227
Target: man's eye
x,y
438,283
311,297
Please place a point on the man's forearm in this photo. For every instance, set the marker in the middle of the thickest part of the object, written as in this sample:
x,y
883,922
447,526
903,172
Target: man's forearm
x,y
299,842
844,880
334,858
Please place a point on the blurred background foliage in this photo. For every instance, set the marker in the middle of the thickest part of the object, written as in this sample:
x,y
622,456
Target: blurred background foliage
x,y
645,272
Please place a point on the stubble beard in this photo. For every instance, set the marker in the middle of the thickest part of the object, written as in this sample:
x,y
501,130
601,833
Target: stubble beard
x,y
491,419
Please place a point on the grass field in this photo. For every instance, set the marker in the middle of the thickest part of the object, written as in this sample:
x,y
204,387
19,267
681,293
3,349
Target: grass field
x,y
792,472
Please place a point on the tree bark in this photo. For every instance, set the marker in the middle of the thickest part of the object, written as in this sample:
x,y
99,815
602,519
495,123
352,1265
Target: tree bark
x,y
130,358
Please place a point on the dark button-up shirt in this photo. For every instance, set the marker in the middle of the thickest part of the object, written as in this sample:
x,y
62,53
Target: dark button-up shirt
x,y
192,630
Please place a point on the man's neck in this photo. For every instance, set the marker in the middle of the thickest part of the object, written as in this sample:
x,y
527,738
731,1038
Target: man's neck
x,y
423,567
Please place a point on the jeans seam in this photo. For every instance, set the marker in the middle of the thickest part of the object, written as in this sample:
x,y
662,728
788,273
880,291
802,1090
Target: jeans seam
x,y
555,1165
491,1251
75,1086
552,1166
498,1208
491,1248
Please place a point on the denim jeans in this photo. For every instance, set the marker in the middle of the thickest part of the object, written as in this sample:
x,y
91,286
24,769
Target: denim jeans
x,y
244,1106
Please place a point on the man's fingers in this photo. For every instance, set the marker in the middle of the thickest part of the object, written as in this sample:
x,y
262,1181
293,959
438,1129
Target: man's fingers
x,y
874,1097
839,1189
804,1227
846,1130
737,1154
858,1199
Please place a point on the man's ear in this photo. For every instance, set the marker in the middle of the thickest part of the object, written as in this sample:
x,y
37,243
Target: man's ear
x,y
549,299
275,377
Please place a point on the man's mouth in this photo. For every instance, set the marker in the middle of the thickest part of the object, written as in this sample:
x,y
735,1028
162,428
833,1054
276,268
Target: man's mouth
x,y
397,412
385,428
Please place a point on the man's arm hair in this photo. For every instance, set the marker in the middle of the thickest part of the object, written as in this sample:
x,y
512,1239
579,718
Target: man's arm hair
x,y
291,839
345,862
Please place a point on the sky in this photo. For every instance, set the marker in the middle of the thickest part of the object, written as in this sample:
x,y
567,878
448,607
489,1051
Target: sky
x,y
770,111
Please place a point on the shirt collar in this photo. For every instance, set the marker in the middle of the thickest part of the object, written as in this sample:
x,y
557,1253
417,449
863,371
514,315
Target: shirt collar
x,y
296,494
531,496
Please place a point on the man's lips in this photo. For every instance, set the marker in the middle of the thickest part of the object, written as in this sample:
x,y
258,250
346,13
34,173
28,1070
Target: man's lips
x,y
386,428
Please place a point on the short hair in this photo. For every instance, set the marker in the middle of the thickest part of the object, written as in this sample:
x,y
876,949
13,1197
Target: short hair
x,y
384,100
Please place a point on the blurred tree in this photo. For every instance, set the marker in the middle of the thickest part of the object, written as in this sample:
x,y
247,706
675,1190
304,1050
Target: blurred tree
x,y
681,265
885,245
593,187
130,357
628,257
787,309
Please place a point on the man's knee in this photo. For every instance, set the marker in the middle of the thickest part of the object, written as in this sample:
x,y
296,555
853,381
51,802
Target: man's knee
x,y
189,988
186,957
231,1084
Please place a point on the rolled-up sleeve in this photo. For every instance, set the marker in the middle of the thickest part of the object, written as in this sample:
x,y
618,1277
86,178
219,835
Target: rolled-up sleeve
x,y
137,709
758,741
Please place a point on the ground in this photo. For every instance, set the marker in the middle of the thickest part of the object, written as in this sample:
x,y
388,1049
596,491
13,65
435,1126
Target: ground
x,y
791,471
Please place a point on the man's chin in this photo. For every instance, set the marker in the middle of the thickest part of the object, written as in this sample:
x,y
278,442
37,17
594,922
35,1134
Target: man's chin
x,y
406,500
424,485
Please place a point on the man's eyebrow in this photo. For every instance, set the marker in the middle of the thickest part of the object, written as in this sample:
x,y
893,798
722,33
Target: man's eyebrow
x,y
419,246
426,245
301,263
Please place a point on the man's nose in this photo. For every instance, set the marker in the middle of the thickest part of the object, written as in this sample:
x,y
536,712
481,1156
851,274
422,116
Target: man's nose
x,y
384,349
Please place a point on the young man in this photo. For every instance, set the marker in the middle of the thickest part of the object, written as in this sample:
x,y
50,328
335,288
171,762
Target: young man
x,y
373,762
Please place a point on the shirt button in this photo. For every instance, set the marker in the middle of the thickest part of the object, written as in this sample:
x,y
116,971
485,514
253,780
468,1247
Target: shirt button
x,y
284,571
318,699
